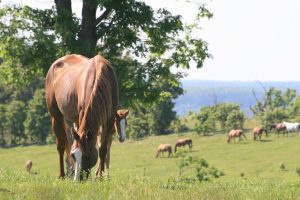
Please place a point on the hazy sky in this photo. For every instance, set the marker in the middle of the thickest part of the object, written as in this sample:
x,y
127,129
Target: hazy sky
x,y
249,40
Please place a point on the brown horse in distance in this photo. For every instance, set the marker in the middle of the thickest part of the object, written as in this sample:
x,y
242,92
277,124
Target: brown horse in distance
x,y
257,132
82,95
280,128
162,148
235,133
183,142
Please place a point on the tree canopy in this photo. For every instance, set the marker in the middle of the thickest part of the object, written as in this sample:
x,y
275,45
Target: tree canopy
x,y
141,43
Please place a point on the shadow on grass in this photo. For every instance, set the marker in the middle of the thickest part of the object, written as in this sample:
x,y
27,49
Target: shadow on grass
x,y
266,140
194,150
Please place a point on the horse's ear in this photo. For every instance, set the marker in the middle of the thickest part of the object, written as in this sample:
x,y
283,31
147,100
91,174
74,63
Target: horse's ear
x,y
122,113
126,112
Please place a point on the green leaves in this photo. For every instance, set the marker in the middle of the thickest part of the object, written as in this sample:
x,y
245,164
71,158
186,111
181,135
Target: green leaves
x,y
276,106
224,116
37,124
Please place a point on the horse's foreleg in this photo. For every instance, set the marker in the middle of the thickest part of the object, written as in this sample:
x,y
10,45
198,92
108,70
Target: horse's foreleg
x,y
157,153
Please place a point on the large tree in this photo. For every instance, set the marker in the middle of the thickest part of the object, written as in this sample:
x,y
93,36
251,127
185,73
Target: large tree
x,y
142,44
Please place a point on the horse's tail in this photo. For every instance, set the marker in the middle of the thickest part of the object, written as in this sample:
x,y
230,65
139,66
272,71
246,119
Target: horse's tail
x,y
175,148
102,105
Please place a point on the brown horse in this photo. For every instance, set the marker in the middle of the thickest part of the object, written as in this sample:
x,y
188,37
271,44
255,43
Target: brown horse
x,y
164,147
234,133
257,132
183,142
280,127
82,95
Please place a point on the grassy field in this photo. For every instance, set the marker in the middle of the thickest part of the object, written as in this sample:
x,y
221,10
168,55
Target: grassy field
x,y
253,170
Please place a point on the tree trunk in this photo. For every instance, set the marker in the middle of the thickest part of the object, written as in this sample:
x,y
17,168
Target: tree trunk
x,y
65,25
87,34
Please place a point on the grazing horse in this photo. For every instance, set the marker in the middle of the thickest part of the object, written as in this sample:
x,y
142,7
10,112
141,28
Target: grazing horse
x,y
291,127
82,95
234,133
183,142
280,127
164,147
257,132
28,166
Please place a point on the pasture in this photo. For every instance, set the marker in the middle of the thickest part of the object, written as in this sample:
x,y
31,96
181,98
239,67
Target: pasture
x,y
253,170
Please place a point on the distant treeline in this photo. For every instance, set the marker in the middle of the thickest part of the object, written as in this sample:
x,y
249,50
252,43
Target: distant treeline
x,y
206,93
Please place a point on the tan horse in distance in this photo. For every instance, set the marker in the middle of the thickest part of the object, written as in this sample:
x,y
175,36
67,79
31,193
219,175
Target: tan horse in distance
x,y
257,132
163,148
28,166
235,133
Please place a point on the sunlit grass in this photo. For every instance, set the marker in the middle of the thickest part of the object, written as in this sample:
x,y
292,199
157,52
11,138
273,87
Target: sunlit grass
x,y
252,171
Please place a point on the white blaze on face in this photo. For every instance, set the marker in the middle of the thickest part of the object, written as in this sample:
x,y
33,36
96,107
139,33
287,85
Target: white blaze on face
x,y
122,127
78,154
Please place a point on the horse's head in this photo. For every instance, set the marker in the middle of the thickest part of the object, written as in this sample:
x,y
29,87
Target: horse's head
x,y
84,152
190,143
120,124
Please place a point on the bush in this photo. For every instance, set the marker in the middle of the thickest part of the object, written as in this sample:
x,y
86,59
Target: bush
x,y
203,172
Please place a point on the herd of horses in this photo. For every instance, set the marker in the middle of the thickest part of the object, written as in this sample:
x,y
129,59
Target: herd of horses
x,y
257,132
168,147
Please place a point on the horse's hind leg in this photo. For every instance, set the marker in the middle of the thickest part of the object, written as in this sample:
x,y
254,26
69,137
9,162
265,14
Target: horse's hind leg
x,y
61,141
102,155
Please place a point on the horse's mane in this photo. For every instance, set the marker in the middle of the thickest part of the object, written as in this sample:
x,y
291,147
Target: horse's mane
x,y
101,106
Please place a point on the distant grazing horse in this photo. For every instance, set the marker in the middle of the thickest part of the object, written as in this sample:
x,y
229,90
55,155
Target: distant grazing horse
x,y
28,166
183,142
257,132
162,148
234,133
82,95
279,128
291,127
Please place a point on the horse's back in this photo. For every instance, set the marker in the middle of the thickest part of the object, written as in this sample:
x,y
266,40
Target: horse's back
x,y
164,146
257,130
235,132
232,132
61,83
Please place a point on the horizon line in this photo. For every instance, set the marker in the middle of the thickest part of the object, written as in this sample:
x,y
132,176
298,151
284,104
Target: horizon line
x,y
215,80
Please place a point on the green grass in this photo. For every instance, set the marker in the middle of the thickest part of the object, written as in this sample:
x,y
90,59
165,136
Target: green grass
x,y
137,174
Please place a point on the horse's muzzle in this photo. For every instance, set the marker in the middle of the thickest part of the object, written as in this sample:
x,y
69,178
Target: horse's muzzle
x,y
121,139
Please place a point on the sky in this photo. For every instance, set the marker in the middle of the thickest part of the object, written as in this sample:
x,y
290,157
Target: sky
x,y
253,40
